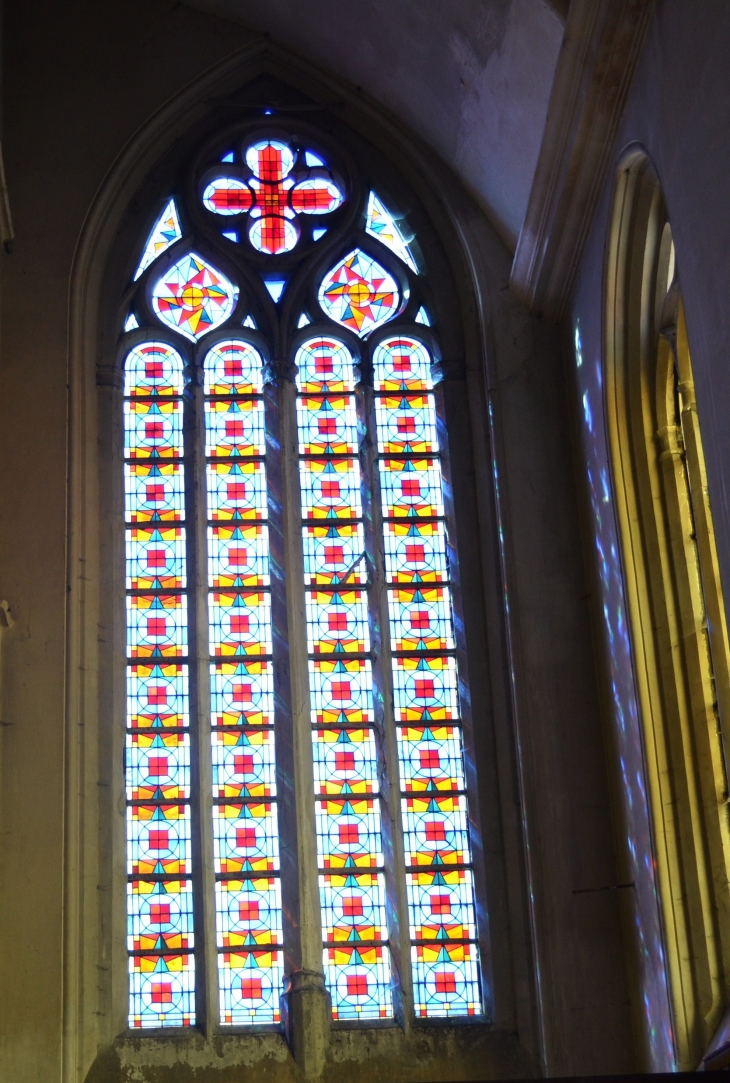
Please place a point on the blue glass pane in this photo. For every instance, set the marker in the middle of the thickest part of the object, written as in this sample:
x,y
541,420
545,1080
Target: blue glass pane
x,y
234,429
157,766
358,979
240,623
243,763
242,694
337,622
161,991
251,984
249,912
324,364
334,555
160,916
237,490
345,761
445,980
238,556
156,558
153,429
330,489
233,367
245,837
353,907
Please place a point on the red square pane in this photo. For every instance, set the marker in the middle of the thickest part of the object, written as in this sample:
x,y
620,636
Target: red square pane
x,y
334,554
415,554
153,370
357,985
407,425
251,988
424,688
248,910
341,690
161,993
349,834
237,558
430,760
435,831
159,839
337,622
352,906
160,914
246,838
440,904
236,490
323,364
401,363
157,694
444,982
327,426
158,766
232,367
234,428
344,761
154,493
154,430
420,619
240,623
330,489
242,693
243,764
156,626
156,558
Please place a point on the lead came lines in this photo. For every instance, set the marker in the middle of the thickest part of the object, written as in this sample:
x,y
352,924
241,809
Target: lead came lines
x,y
439,879
157,746
348,818
245,835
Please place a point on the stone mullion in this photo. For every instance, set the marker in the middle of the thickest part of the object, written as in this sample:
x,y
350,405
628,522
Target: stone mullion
x,y
206,983
307,1001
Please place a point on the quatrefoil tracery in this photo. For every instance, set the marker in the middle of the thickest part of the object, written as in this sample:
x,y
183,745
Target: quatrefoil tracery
x,y
272,196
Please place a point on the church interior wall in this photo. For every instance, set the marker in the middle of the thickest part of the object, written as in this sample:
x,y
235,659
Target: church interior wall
x,y
82,79
677,105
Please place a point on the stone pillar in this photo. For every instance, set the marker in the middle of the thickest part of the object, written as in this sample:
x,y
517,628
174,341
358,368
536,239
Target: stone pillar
x,y
306,1006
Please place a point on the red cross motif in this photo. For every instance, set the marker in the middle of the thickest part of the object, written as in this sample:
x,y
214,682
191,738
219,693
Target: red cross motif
x,y
272,197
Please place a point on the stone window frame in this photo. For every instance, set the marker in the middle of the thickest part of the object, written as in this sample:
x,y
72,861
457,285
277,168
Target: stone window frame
x,y
676,614
95,875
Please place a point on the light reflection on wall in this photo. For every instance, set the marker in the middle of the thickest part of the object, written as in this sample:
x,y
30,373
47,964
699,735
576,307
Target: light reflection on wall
x,y
660,1048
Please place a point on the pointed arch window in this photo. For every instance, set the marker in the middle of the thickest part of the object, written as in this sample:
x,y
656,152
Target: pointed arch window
x,y
297,705
677,614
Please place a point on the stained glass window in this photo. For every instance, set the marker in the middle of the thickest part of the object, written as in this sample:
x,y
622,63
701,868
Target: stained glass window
x,y
359,293
157,750
380,224
439,879
165,232
274,192
245,840
347,810
349,418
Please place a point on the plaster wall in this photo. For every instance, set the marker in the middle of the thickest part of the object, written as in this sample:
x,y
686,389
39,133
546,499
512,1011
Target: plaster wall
x,y
471,78
80,80
678,111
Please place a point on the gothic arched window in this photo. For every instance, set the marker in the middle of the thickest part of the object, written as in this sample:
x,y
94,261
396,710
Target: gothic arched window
x,y
297,701
678,621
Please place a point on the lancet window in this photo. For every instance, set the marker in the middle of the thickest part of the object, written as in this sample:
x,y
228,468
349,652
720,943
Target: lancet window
x,y
291,611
